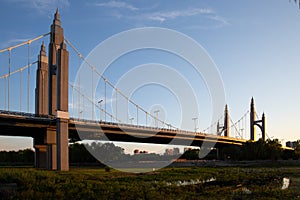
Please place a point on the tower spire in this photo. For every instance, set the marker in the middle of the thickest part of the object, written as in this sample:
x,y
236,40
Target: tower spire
x,y
252,121
226,122
43,49
56,19
56,39
57,15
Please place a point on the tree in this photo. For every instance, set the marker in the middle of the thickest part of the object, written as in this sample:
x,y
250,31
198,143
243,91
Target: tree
x,y
262,150
25,156
191,154
232,152
79,154
106,152
274,149
297,150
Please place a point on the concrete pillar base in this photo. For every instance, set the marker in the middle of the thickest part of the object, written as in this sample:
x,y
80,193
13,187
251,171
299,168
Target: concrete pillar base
x,y
62,136
40,156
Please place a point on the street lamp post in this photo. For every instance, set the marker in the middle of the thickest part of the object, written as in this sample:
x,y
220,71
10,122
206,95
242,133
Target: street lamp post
x,y
80,116
156,112
100,109
195,122
242,131
131,119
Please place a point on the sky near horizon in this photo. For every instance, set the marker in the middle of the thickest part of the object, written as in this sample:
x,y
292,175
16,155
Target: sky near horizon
x,y
254,44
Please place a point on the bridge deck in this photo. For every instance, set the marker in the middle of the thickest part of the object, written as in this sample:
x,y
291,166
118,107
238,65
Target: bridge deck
x,y
26,124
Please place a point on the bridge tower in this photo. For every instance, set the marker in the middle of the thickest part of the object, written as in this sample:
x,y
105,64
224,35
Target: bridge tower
x,y
62,114
45,145
56,39
226,126
42,85
226,122
52,99
253,122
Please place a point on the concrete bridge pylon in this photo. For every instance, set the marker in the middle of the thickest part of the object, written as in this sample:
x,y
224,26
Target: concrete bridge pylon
x,y
51,148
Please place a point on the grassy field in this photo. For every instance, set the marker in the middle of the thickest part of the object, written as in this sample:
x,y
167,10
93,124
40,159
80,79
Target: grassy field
x,y
168,183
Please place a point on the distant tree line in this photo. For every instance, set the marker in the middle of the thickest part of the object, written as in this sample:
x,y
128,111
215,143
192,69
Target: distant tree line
x,y
259,150
107,152
20,157
83,154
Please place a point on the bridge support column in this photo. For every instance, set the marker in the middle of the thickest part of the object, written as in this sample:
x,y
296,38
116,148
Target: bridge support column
x,y
45,150
62,134
220,153
50,141
226,122
40,156
62,114
52,150
263,127
253,122
40,151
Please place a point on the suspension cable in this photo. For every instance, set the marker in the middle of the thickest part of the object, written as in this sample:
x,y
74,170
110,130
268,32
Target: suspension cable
x,y
213,124
23,43
109,83
234,124
91,101
18,70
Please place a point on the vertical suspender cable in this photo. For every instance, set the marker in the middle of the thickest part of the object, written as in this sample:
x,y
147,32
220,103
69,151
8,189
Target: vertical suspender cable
x,y
245,125
5,92
127,107
79,97
72,86
116,103
93,96
137,115
21,90
82,107
28,77
105,100
8,79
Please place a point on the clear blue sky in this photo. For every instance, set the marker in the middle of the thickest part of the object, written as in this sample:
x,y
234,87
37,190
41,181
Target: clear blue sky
x,y
255,45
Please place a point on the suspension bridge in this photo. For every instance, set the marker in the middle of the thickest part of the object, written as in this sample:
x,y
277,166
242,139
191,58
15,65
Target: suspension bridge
x,y
46,117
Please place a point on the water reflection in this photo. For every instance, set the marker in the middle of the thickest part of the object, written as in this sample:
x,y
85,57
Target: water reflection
x,y
285,183
191,182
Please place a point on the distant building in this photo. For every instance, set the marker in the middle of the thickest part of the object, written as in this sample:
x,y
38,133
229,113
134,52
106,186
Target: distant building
x,y
137,151
176,151
169,152
172,152
187,149
291,144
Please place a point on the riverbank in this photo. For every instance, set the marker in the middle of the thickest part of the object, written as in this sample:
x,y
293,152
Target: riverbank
x,y
167,183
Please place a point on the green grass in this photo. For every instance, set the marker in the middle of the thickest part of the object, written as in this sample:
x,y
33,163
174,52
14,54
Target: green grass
x,y
84,183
